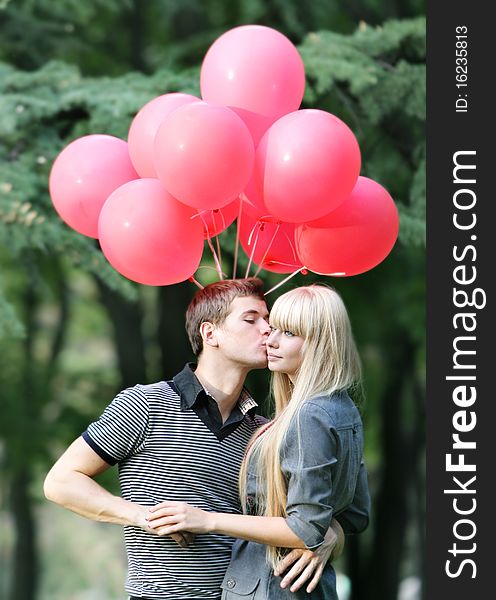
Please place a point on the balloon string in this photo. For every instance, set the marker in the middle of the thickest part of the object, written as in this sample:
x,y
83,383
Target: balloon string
x,y
267,251
208,267
218,249
283,264
284,280
200,214
223,220
213,214
259,225
197,283
218,268
291,245
236,246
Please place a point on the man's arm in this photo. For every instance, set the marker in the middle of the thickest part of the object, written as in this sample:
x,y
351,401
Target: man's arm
x,y
70,483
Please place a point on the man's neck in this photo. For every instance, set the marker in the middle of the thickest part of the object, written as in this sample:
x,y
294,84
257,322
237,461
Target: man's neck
x,y
223,382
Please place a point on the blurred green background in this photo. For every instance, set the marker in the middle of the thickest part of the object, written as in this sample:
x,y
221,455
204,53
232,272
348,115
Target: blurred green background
x,y
73,332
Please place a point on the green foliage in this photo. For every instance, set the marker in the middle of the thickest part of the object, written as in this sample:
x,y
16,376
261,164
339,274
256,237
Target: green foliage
x,y
375,80
40,113
10,324
36,30
112,37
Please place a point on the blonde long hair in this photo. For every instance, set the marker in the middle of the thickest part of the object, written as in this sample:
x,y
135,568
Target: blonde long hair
x,y
330,363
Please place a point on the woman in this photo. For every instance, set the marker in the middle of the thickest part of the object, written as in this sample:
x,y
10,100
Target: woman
x,y
303,467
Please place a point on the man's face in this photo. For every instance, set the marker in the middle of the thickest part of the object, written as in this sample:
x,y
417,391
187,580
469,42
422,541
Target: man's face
x,y
243,335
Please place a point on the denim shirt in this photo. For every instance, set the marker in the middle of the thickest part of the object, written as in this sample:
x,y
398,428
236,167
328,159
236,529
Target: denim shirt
x,y
321,460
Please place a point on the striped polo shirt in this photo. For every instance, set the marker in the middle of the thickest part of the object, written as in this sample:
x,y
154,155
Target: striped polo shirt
x,y
169,442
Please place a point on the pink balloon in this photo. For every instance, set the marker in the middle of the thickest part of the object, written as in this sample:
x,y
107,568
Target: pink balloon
x,y
355,237
218,220
269,242
84,174
256,71
252,200
204,155
257,124
148,236
144,127
306,165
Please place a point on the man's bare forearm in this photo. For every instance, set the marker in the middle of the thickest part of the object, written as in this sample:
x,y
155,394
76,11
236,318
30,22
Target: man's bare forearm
x,y
70,483
81,494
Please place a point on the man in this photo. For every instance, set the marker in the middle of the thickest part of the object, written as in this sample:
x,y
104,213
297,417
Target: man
x,y
182,439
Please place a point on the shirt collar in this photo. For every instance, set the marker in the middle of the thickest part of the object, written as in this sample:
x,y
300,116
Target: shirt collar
x,y
190,388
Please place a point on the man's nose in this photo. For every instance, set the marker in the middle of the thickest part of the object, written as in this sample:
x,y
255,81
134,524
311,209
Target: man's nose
x,y
265,329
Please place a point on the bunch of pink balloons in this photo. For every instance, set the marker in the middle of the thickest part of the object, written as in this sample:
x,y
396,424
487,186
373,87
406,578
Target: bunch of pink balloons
x,y
243,151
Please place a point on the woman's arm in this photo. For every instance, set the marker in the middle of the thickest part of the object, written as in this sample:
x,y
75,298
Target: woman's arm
x,y
305,567
355,518
171,517
307,465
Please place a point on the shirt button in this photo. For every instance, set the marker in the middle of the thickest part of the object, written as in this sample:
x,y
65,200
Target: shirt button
x,y
231,583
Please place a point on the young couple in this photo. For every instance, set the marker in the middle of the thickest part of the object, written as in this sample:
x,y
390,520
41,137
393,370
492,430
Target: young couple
x,y
193,455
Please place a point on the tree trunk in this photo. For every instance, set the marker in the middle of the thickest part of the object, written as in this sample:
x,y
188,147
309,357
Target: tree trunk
x,y
23,585
378,577
175,350
24,581
135,23
126,318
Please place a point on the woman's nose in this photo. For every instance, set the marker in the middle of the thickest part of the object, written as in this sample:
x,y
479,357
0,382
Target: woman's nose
x,y
272,340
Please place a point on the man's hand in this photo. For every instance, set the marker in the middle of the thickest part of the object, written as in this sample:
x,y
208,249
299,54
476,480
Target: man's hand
x,y
307,564
70,483
184,539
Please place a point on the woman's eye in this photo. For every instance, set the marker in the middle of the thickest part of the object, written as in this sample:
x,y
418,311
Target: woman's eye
x,y
249,321
289,333
272,328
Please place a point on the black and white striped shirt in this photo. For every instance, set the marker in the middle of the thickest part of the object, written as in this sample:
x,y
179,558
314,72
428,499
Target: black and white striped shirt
x,y
170,444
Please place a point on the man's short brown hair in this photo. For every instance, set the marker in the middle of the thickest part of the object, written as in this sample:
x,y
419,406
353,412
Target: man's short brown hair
x,y
213,303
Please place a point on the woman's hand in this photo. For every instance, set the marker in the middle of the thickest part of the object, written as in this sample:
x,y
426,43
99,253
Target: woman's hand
x,y
307,565
170,517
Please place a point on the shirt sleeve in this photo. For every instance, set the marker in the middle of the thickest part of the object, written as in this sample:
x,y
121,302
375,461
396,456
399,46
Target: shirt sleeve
x,y
355,518
122,428
307,461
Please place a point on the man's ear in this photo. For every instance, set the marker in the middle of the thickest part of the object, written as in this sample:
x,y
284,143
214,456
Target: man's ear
x,y
208,331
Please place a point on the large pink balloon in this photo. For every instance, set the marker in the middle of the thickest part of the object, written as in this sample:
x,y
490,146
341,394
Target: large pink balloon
x,y
256,71
306,165
218,220
84,174
355,237
144,127
204,155
148,236
269,242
